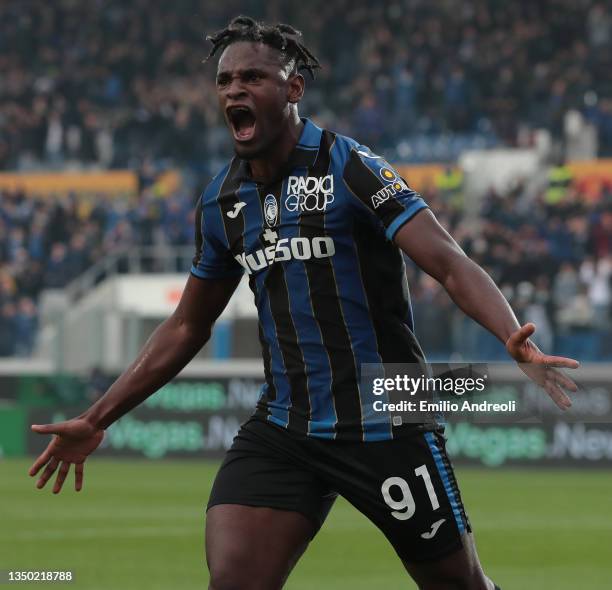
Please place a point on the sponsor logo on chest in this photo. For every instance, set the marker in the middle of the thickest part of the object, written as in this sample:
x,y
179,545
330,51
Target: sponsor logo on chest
x,y
284,250
309,193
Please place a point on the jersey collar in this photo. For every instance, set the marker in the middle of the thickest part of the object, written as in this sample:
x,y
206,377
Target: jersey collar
x,y
304,154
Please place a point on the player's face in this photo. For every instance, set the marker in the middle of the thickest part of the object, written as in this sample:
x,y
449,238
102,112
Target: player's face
x,y
255,91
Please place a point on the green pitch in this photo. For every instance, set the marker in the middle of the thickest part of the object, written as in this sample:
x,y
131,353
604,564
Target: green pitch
x,y
139,525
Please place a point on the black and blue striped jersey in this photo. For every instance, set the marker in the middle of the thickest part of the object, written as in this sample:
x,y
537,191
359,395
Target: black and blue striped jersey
x,y
329,284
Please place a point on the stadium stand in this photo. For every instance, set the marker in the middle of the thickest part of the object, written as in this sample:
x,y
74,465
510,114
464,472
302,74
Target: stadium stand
x,y
107,86
553,262
124,85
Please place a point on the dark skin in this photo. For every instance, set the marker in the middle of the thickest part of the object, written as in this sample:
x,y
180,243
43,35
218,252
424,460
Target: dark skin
x,y
431,247
173,344
256,548
249,75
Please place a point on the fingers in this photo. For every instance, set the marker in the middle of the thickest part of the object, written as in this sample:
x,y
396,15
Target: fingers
x,y
560,362
49,428
543,370
78,476
521,335
557,395
47,473
563,380
61,477
42,459
61,474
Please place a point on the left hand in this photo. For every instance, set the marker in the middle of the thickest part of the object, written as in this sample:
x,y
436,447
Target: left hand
x,y
73,441
542,368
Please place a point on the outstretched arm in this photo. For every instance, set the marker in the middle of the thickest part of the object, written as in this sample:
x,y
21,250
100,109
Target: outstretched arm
x,y
173,344
430,246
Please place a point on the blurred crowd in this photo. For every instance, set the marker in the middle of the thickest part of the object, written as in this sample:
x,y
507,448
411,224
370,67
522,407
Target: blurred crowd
x,y
117,84
47,242
553,262
108,82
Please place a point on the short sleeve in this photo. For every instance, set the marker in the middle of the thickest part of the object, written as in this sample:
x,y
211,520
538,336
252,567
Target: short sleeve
x,y
212,260
378,188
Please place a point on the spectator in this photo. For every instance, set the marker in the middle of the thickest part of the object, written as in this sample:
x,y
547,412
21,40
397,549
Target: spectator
x,y
402,75
67,236
566,285
26,325
8,329
480,68
57,271
597,276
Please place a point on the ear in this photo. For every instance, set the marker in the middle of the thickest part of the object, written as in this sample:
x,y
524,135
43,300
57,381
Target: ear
x,y
295,89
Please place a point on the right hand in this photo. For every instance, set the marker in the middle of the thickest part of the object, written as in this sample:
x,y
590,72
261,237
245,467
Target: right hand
x,y
73,442
541,368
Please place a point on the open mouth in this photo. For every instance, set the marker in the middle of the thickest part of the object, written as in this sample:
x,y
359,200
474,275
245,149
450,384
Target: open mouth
x,y
242,120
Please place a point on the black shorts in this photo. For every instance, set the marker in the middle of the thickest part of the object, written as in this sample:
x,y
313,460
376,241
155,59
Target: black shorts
x,y
406,486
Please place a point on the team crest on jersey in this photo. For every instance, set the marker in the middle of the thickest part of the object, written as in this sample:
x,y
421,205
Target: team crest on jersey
x,y
271,210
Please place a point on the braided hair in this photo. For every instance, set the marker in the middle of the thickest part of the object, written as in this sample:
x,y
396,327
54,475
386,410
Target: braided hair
x,y
283,38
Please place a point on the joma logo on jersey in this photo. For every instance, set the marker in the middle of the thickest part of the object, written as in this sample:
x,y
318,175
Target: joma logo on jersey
x,y
286,249
309,193
386,192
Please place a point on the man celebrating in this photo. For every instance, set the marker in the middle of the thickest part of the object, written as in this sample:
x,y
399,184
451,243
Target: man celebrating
x,y
318,223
